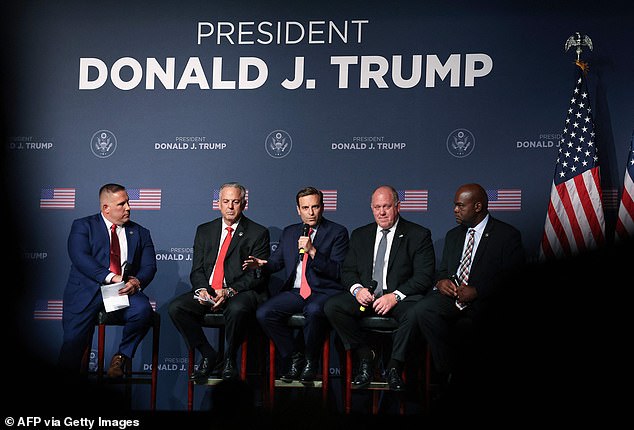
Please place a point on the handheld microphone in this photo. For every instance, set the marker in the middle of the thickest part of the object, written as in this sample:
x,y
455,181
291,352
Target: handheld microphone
x,y
371,288
305,230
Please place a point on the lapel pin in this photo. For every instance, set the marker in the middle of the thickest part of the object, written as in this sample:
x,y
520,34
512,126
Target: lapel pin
x,y
401,235
240,234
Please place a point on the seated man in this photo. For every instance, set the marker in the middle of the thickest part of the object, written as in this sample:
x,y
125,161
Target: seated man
x,y
477,255
399,256
99,247
311,254
220,284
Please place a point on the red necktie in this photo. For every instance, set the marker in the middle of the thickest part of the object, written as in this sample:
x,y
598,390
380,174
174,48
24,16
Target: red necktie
x,y
304,288
115,251
219,271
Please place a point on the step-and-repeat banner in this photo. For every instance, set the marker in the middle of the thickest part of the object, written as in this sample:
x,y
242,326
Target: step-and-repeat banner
x,y
173,99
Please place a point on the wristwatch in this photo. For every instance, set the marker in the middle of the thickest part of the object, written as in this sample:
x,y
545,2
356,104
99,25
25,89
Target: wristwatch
x,y
230,292
397,297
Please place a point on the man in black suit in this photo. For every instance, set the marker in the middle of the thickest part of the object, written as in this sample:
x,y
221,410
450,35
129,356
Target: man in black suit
x,y
321,245
223,287
399,256
481,253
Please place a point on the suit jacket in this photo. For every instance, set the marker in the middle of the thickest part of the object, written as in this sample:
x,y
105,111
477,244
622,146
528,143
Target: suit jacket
x,y
411,264
249,238
323,272
89,251
500,251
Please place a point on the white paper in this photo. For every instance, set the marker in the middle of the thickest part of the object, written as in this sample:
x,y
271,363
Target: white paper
x,y
112,301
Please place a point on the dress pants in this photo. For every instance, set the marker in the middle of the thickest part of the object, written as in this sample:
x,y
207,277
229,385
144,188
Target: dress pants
x,y
239,312
343,312
447,329
274,313
78,328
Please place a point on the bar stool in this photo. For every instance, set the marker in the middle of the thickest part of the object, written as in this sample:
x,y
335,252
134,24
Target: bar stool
x,y
382,325
297,321
105,319
214,320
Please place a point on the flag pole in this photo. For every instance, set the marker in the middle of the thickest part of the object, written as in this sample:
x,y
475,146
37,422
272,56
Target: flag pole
x,y
575,221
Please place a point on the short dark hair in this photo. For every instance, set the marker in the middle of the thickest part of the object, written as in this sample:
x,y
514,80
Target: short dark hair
x,y
111,189
310,191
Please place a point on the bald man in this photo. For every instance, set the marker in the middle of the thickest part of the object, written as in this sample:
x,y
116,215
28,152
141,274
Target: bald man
x,y
478,254
399,256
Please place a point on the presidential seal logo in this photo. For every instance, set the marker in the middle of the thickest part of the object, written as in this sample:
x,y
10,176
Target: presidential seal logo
x,y
103,143
460,143
278,144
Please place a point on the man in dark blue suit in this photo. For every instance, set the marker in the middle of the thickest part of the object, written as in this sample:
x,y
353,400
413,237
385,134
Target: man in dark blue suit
x,y
313,250
480,252
89,248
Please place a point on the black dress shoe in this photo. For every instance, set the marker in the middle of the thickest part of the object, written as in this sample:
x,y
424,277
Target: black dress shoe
x,y
364,377
295,370
310,372
230,371
394,381
205,367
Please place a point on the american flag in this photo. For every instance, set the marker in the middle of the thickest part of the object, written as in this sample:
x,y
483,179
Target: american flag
x,y
505,200
413,200
330,200
48,310
625,221
145,198
575,222
216,200
57,198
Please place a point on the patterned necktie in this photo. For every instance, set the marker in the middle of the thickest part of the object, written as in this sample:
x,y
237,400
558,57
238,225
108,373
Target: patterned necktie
x,y
463,270
219,270
304,288
115,251
379,262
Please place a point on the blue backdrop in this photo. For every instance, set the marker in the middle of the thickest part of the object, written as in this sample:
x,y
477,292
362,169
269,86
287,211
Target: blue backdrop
x,y
173,99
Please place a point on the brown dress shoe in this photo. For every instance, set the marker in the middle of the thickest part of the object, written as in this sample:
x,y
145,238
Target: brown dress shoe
x,y
117,366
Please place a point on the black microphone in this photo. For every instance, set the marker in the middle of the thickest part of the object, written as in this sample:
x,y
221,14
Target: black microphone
x,y
371,288
305,230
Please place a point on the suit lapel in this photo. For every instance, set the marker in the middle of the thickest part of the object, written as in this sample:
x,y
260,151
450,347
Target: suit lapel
x,y
399,236
132,236
236,236
484,241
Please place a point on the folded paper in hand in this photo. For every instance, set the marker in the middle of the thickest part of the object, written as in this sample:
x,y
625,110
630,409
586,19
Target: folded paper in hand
x,y
112,301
